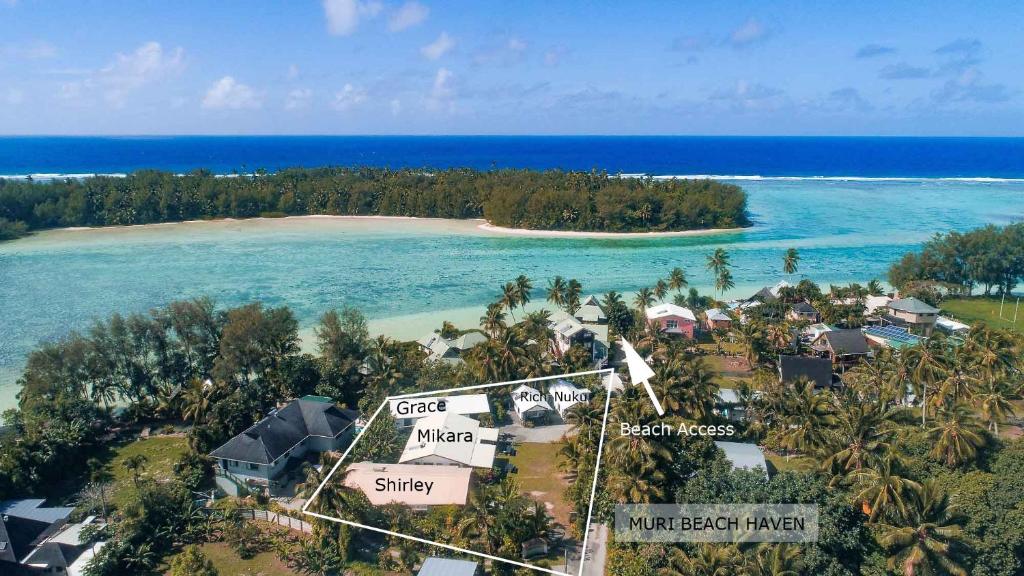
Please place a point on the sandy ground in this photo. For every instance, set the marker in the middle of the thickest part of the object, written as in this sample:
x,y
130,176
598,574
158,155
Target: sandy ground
x,y
617,235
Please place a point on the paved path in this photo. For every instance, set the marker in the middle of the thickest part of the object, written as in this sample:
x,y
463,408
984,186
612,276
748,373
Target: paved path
x,y
596,553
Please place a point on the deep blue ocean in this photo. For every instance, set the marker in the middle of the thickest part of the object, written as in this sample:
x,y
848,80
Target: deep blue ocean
x,y
670,155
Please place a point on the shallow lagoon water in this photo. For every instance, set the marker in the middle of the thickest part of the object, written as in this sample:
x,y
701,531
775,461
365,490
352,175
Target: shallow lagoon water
x,y
408,275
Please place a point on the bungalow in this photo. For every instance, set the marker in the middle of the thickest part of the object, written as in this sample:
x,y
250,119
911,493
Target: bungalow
x,y
564,396
729,405
590,311
439,348
844,347
803,311
570,332
918,315
450,440
673,319
873,304
390,483
35,539
268,450
744,456
951,326
717,318
817,370
529,404
66,552
811,333
406,411
435,566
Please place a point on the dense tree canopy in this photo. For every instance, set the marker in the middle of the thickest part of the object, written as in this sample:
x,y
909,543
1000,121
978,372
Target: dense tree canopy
x,y
519,198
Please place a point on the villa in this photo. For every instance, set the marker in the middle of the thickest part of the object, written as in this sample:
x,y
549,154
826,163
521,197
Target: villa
x,y
590,311
441,349
816,370
36,539
268,451
843,347
397,483
529,403
564,396
802,311
450,439
673,319
406,411
717,318
915,314
570,332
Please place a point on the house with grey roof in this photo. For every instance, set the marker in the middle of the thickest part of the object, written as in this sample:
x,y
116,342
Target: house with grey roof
x,y
803,311
590,311
843,347
571,332
795,368
917,315
264,454
435,566
449,350
32,538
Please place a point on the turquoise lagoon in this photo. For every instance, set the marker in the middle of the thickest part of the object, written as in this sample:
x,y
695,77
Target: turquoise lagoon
x,y
408,275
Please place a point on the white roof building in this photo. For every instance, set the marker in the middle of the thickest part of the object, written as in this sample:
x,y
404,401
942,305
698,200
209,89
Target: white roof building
x,y
529,402
950,325
717,315
744,456
414,486
439,348
669,309
407,410
450,439
590,311
564,396
873,303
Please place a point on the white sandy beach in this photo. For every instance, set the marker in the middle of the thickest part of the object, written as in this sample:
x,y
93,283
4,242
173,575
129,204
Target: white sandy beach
x,y
488,227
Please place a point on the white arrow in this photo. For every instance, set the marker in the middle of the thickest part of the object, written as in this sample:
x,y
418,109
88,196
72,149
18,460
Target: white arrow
x,y
640,373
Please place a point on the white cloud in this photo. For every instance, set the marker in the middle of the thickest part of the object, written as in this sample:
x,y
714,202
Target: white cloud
x,y
38,50
438,47
348,97
506,53
442,93
343,16
229,94
298,99
750,32
129,72
554,56
396,107
408,15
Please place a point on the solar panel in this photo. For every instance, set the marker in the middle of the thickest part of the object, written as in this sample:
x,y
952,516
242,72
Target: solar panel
x,y
893,333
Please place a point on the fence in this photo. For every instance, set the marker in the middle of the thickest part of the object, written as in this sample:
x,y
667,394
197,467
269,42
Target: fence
x,y
275,518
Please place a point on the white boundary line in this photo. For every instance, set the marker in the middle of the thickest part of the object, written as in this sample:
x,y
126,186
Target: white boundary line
x,y
593,489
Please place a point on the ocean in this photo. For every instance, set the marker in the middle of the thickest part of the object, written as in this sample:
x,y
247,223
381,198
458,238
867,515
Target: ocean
x,y
849,205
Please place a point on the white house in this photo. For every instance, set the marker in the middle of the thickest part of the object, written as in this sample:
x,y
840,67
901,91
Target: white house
x,y
673,319
415,486
744,456
590,311
564,396
450,439
406,411
529,403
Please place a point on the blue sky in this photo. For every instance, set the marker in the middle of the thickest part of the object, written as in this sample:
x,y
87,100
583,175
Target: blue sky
x,y
523,67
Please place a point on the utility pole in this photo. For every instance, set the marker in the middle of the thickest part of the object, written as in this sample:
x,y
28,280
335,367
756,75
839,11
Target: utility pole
x,y
1015,307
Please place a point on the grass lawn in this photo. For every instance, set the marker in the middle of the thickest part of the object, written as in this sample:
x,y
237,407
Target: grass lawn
x,y
161,453
227,562
970,310
540,478
797,463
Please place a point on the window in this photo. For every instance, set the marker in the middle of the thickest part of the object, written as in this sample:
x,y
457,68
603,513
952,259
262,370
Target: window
x,y
670,324
253,466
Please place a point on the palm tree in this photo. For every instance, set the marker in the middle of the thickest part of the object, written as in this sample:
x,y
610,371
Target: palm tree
x,y
660,290
860,436
957,436
782,559
925,539
881,489
644,299
993,399
573,291
709,560
523,287
677,279
807,416
135,465
477,521
925,363
875,288
724,282
750,337
556,291
718,261
493,321
790,261
510,298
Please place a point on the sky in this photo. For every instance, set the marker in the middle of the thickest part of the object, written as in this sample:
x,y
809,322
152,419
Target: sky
x,y
523,67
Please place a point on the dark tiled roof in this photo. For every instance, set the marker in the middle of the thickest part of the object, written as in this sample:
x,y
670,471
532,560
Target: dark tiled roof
x,y
817,370
804,308
22,534
850,341
764,295
279,432
54,554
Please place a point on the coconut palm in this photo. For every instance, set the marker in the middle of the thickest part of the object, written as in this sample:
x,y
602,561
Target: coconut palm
x,y
644,299
195,401
880,489
993,400
660,290
724,282
782,559
924,361
135,465
718,261
807,416
923,542
677,279
493,321
875,288
478,523
523,288
573,291
556,291
860,435
510,298
957,436
750,337
708,560
790,261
